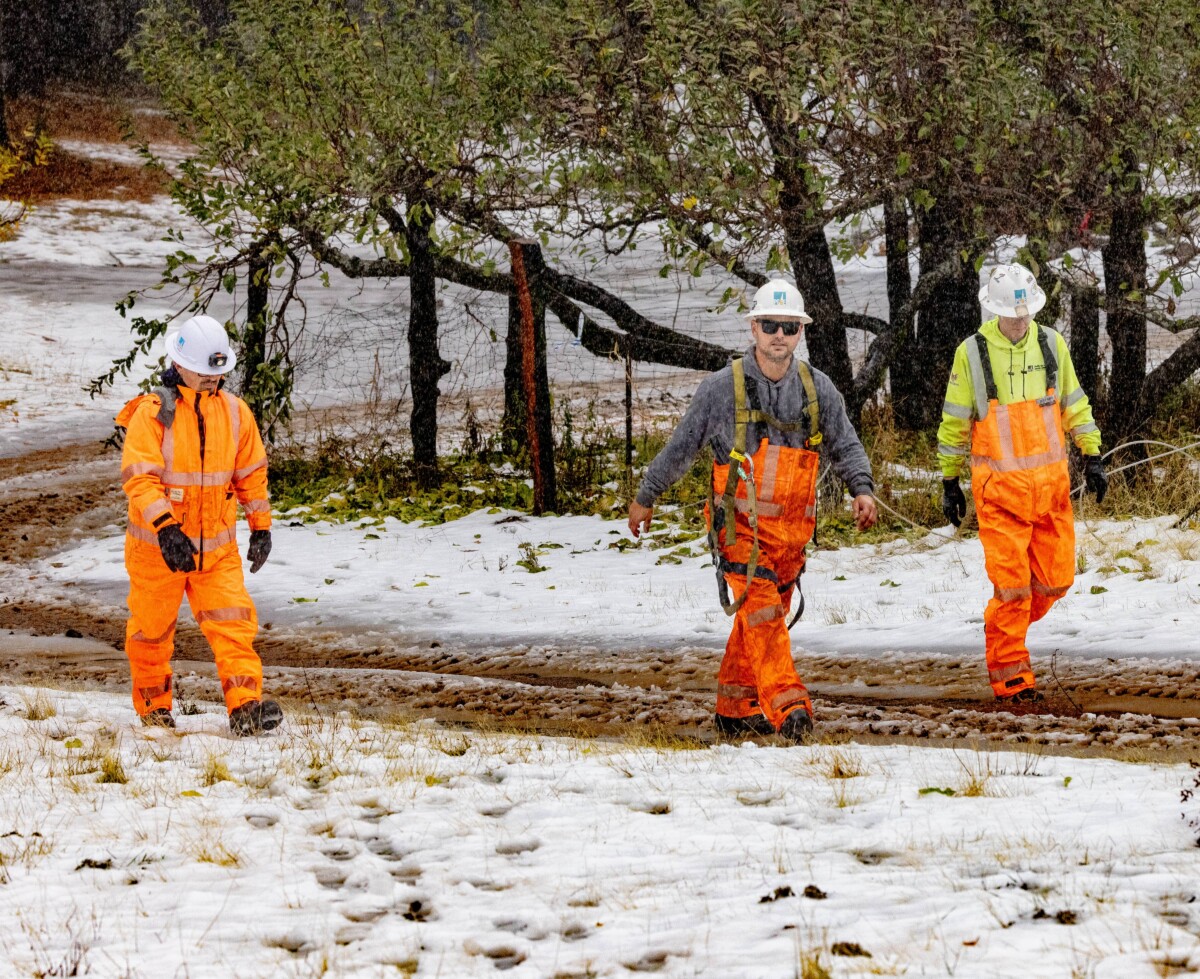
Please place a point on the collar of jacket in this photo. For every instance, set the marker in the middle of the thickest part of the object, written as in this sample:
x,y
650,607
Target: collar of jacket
x,y
991,330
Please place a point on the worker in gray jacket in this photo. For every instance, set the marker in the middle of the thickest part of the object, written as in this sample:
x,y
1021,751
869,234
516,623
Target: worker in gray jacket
x,y
769,418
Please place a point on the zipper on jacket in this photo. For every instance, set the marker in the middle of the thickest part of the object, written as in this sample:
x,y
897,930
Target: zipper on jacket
x,y
200,427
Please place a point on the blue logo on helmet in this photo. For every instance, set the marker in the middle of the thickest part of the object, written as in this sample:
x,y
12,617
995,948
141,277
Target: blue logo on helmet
x,y
780,298
1019,295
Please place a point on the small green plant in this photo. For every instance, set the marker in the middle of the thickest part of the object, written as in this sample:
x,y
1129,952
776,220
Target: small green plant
x,y
529,559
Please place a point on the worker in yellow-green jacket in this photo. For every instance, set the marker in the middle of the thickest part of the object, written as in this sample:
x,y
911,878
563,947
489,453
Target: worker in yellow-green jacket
x,y
1013,397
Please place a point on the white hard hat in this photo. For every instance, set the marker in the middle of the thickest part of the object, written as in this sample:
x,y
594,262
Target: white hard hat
x,y
1012,290
779,299
201,345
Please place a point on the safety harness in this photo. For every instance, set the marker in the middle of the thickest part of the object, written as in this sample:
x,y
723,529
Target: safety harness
x,y
747,410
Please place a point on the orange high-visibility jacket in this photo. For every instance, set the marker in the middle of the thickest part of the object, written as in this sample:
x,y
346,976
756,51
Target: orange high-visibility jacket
x,y
190,460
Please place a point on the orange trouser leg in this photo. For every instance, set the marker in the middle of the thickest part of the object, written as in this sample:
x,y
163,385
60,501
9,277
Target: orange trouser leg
x,y
226,616
757,672
1052,557
154,597
1006,540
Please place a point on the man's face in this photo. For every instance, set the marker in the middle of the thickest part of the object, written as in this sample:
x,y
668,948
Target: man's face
x,y
777,346
206,383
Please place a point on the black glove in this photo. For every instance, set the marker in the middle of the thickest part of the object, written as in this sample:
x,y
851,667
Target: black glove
x,y
954,504
1093,475
177,550
259,549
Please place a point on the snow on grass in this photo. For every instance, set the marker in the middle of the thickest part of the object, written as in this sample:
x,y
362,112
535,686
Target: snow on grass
x,y
463,581
359,849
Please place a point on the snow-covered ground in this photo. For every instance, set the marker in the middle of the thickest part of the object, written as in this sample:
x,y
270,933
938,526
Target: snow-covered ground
x,y
344,848
340,847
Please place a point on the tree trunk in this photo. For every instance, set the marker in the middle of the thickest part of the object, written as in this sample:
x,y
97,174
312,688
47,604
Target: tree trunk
x,y
1124,259
904,379
527,318
828,350
1085,339
426,366
254,337
4,139
951,314
26,47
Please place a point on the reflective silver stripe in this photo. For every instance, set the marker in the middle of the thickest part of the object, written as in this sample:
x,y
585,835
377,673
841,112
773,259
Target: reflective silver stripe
x,y
264,506
811,510
1004,430
210,543
247,470
249,682
1052,419
1010,670
235,419
764,615
140,469
734,692
1012,594
770,469
953,450
231,614
1085,428
1040,589
979,386
168,449
156,509
742,506
173,478
1073,398
1057,454
789,697
140,636
956,411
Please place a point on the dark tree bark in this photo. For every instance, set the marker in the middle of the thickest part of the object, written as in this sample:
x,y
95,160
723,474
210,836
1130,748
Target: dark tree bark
x,y
1085,338
951,313
828,349
254,338
26,44
4,140
426,366
905,382
1124,258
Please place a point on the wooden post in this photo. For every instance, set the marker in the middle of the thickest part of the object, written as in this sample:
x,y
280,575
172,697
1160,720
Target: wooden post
x,y
526,265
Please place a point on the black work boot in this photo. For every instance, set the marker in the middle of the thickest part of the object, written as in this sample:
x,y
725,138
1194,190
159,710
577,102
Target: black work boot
x,y
1030,695
797,727
161,717
254,717
732,728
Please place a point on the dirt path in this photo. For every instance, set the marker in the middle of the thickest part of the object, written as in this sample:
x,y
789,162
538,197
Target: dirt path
x,y
49,499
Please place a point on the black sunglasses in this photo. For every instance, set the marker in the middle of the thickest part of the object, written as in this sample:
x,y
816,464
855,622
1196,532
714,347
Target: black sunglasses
x,y
218,360
771,327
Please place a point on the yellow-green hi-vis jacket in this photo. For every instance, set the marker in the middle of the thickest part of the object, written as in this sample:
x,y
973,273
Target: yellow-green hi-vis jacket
x,y
1020,374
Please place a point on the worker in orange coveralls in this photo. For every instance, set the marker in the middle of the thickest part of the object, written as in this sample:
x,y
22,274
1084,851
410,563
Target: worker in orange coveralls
x,y
192,453
1013,396
766,416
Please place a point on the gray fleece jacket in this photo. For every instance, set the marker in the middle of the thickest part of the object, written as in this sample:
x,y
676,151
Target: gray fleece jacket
x,y
709,421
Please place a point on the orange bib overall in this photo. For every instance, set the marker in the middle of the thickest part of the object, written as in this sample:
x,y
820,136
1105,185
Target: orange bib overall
x,y
757,673
1022,494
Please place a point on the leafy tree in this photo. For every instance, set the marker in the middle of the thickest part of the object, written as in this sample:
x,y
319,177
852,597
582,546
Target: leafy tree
x,y
397,126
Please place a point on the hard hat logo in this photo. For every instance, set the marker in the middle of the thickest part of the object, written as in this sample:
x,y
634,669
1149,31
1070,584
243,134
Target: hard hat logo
x,y
781,299
201,345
